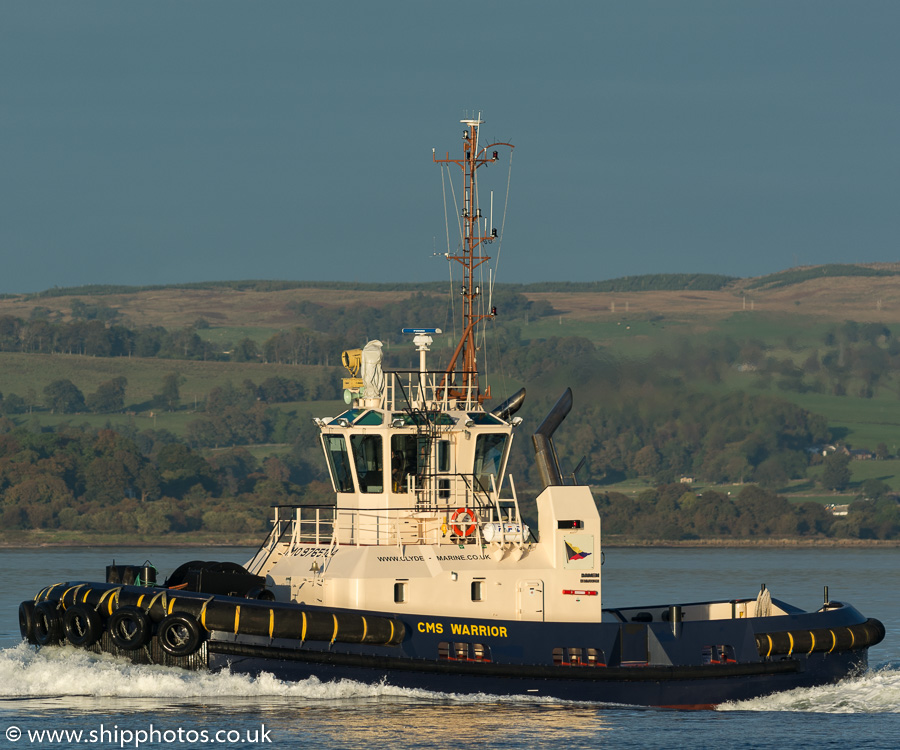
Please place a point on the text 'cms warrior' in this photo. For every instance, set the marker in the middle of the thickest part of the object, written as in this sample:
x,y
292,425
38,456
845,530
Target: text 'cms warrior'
x,y
422,572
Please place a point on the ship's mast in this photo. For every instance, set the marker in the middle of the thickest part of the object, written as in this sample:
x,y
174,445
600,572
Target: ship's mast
x,y
475,234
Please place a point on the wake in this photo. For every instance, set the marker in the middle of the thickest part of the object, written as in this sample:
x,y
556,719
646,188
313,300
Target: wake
x,y
66,672
26,672
876,691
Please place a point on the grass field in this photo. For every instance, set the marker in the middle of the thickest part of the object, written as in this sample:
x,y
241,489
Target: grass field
x,y
227,336
798,491
629,486
860,422
773,329
864,422
887,471
30,373
802,491
27,375
791,321
823,498
174,422
620,329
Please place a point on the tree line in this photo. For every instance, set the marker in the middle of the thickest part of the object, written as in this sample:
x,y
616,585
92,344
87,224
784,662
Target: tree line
x,y
658,418
674,281
148,482
799,275
320,336
62,396
655,419
674,512
151,482
644,282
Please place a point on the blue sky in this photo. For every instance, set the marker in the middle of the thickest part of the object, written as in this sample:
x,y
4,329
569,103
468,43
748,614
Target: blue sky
x,y
166,142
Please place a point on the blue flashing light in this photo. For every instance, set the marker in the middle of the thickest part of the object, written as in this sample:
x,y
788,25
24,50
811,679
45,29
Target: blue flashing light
x,y
421,330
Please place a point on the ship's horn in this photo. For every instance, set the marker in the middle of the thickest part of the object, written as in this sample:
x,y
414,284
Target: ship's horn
x,y
509,407
544,452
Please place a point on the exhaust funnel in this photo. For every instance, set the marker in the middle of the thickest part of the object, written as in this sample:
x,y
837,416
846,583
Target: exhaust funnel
x,y
544,452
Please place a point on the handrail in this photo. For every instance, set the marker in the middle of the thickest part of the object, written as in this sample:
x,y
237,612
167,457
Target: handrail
x,y
319,525
427,388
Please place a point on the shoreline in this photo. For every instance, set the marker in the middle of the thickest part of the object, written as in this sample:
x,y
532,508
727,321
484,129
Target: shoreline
x,y
762,543
44,540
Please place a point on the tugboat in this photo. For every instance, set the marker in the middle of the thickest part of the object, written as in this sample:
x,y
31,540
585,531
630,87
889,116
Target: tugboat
x,y
423,573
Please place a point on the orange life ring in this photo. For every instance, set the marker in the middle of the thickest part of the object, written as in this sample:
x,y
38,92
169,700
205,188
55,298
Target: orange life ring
x,y
454,520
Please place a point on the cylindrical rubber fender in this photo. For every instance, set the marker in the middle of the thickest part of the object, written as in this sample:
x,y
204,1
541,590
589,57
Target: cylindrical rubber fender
x,y
129,628
47,623
179,634
83,625
819,640
255,618
26,621
244,616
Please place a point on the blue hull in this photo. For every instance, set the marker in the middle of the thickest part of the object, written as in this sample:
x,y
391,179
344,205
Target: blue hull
x,y
642,656
650,689
663,668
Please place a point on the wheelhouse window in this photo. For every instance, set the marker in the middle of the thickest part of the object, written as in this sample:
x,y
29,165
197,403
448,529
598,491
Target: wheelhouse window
x,y
409,457
488,458
443,455
338,462
483,418
443,465
369,465
351,416
422,418
348,416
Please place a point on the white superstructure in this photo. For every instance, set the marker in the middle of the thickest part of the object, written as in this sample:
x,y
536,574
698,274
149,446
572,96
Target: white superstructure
x,y
420,525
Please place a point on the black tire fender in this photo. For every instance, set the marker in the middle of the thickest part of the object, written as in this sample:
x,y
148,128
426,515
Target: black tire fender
x,y
48,630
179,634
261,593
179,575
26,621
226,567
129,628
83,625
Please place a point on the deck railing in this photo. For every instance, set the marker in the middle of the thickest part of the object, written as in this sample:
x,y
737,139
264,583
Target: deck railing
x,y
297,525
405,389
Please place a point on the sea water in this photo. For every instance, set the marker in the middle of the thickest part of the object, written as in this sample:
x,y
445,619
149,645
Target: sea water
x,y
63,697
